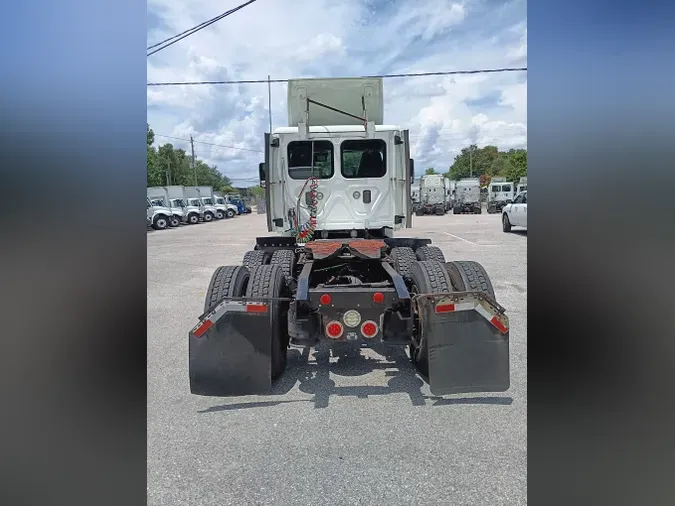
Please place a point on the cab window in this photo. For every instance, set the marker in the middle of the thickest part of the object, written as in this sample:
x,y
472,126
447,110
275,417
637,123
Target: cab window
x,y
300,159
363,158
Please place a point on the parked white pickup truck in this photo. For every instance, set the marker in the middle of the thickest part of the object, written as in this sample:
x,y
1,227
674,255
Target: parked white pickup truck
x,y
515,214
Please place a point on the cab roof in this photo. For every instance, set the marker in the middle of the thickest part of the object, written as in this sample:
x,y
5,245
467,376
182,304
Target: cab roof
x,y
329,129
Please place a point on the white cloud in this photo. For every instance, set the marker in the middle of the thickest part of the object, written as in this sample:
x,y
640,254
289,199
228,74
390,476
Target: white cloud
x,y
321,38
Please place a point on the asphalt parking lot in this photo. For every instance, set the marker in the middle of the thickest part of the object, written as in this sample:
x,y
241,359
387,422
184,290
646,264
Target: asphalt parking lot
x,y
362,430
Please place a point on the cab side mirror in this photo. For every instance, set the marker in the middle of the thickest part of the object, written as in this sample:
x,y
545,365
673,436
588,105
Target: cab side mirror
x,y
261,173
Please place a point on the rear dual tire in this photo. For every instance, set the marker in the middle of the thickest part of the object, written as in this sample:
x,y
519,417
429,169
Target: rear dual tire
x,y
265,282
269,282
426,276
432,276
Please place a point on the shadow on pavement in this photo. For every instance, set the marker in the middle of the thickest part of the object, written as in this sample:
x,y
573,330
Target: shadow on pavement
x,y
314,378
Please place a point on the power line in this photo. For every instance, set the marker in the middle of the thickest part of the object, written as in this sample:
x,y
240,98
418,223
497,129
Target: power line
x,y
383,76
195,29
209,143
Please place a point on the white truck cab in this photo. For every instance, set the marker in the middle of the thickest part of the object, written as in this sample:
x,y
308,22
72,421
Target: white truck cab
x,y
358,172
201,197
159,196
467,196
158,216
515,214
521,186
500,193
223,205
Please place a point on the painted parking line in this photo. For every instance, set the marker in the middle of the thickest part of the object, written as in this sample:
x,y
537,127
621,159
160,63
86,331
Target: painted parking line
x,y
460,238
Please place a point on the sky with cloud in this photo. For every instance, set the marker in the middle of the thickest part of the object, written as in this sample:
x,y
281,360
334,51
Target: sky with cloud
x,y
327,38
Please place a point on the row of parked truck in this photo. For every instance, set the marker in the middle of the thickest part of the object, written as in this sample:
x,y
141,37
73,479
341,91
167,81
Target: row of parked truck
x,y
437,194
171,206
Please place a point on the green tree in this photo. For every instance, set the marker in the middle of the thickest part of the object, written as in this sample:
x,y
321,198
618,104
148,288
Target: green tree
x,y
461,167
257,191
488,161
430,170
516,166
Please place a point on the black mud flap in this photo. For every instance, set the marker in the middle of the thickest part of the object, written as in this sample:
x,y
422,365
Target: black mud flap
x,y
231,350
468,341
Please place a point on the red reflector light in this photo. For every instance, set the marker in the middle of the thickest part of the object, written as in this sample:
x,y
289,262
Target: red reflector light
x,y
369,329
206,325
445,308
325,299
334,329
494,321
256,308
378,297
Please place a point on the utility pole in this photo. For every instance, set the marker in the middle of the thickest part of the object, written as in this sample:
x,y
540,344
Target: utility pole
x,y
168,174
471,160
269,100
194,167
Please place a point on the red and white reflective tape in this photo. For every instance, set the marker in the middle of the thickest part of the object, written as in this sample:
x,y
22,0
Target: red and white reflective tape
x,y
450,306
227,307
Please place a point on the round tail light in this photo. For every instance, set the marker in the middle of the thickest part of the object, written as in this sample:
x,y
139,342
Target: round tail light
x,y
325,299
378,297
334,330
369,329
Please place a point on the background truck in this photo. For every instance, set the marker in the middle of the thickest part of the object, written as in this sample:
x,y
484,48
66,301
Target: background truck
x,y
337,188
178,198
500,193
238,202
432,195
449,193
222,203
522,185
415,197
202,197
159,216
467,196
159,195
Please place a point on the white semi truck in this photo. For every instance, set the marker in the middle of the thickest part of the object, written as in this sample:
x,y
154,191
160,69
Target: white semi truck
x,y
449,193
521,186
500,193
467,196
432,195
337,191
415,196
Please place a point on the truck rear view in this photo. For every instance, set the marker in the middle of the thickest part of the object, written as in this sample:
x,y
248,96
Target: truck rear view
x,y
337,184
432,195
467,196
